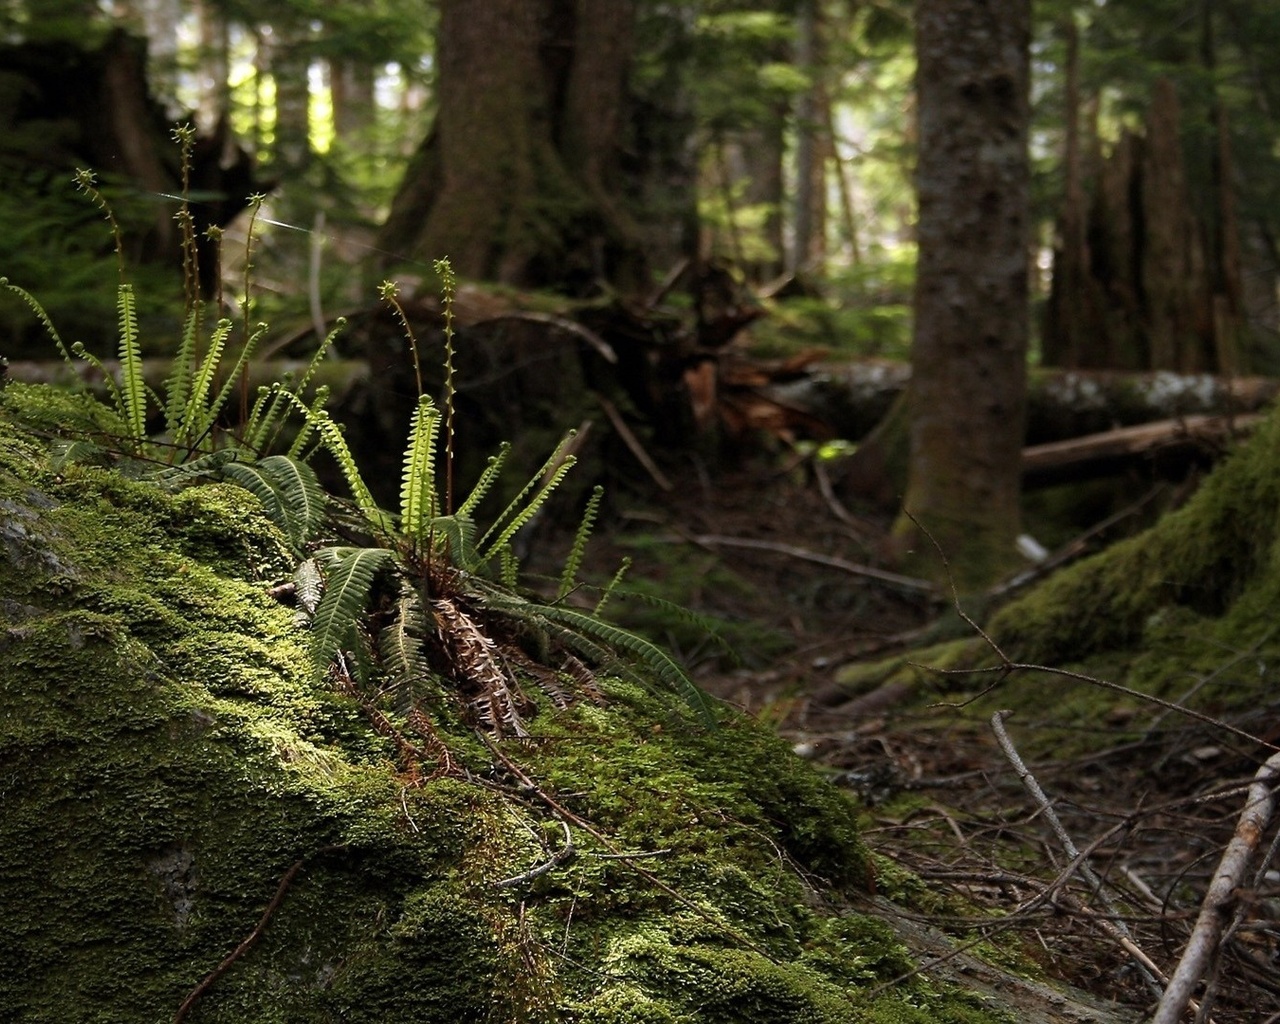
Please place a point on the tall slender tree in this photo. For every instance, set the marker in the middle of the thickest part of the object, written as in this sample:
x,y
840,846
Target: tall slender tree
x,y
971,317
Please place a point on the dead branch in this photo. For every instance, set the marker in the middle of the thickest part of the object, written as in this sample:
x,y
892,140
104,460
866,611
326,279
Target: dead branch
x,y
1220,897
1116,926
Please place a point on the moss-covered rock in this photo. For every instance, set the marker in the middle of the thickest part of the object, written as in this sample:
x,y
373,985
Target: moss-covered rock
x,y
168,758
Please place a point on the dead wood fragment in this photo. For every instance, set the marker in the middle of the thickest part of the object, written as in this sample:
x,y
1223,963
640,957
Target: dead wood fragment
x,y
1221,897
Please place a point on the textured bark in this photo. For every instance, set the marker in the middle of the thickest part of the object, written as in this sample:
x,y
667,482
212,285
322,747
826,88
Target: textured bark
x,y
519,181
969,352
1156,282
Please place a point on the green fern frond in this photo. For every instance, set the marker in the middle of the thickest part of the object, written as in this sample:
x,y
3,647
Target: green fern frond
x,y
108,378
209,415
598,632
331,434
46,321
249,430
192,418
63,453
133,387
487,479
348,584
556,463
613,583
289,491
508,567
454,535
178,385
210,464
569,577
400,645
417,490
304,432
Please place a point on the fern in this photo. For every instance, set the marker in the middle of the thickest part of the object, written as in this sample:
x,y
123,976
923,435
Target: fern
x,y
403,658
304,432
613,583
34,304
207,416
331,434
597,632
569,576
210,464
417,491
487,479
192,421
133,388
348,584
290,494
178,385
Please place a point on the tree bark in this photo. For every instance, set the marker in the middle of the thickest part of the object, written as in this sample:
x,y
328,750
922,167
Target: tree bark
x,y
966,399
518,181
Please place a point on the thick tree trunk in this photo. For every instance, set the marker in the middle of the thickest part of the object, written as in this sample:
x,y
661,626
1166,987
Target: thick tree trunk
x,y
518,181
969,352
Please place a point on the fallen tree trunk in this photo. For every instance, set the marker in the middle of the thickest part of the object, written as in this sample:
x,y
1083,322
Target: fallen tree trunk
x,y
1172,444
851,398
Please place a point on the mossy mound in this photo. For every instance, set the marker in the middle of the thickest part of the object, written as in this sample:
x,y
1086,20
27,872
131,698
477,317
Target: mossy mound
x,y
167,757
1183,610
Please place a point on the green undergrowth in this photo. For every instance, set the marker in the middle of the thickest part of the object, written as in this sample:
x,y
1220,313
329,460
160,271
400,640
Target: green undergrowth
x,y
169,755
1184,612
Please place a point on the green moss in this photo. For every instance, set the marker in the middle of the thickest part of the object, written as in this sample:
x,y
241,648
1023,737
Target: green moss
x,y
168,756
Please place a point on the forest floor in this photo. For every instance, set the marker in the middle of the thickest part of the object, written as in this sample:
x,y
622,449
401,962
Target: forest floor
x,y
1151,803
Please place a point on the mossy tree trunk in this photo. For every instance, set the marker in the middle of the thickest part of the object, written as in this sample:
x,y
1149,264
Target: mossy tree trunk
x,y
966,399
519,180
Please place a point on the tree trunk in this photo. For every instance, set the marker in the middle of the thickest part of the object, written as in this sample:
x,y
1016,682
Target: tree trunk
x,y
969,353
518,181
290,68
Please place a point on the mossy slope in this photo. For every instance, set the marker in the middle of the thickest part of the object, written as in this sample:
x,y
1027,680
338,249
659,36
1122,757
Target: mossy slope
x,y
167,756
1186,608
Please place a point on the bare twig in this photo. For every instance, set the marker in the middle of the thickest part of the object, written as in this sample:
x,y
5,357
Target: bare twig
x,y
1220,897
251,938
561,856
897,580
1116,927
633,444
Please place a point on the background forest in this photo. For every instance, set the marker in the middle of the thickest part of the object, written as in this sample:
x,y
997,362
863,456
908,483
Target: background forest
x,y
858,305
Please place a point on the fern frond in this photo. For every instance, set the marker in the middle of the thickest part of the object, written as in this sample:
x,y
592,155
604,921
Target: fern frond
x,y
456,537
62,453
46,321
508,567
192,418
523,517
649,654
348,584
331,434
132,385
117,403
209,416
476,664
417,490
178,386
400,645
207,465
569,577
263,416
516,508
304,432
289,491
613,584
308,586
487,479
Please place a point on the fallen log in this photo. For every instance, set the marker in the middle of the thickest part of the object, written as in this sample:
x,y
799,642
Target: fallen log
x,y
1169,444
852,398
